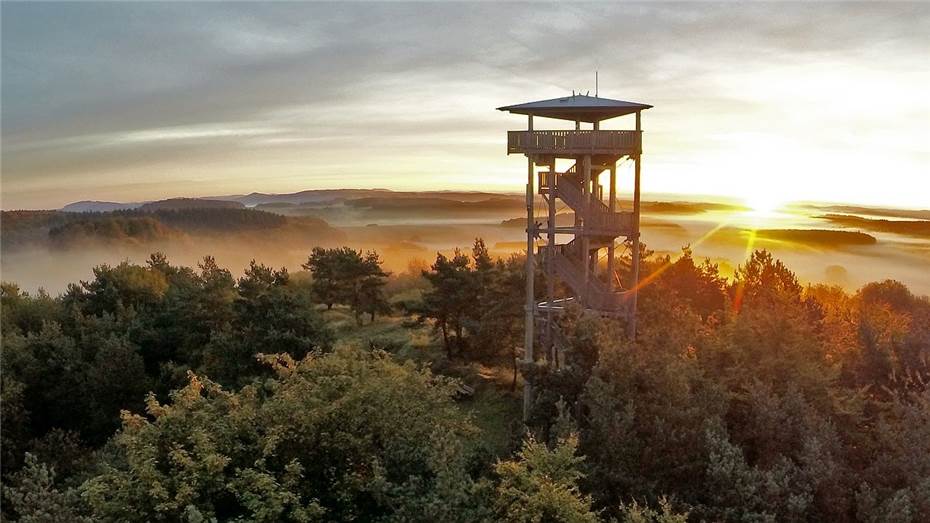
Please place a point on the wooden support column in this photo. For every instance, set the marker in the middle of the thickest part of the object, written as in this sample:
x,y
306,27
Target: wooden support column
x,y
585,240
611,205
530,307
594,187
637,160
550,269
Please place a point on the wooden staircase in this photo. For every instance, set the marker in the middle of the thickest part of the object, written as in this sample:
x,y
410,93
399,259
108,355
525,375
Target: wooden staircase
x,y
599,221
568,264
600,228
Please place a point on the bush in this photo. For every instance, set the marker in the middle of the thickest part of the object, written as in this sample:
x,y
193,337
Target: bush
x,y
321,441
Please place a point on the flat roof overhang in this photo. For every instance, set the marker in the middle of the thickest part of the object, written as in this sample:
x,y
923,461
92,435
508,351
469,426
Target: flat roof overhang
x,y
580,108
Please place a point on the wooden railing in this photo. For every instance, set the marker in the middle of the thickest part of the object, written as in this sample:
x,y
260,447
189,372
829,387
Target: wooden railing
x,y
570,269
574,142
598,218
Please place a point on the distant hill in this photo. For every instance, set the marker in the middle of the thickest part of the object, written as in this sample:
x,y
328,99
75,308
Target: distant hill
x,y
169,204
916,228
917,214
284,200
336,195
172,221
297,198
819,237
95,206
686,207
177,204
276,205
113,230
432,203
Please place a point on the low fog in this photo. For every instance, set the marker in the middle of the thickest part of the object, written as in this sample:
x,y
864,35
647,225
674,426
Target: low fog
x,y
841,245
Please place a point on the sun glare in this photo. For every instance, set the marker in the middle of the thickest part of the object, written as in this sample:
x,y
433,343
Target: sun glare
x,y
764,203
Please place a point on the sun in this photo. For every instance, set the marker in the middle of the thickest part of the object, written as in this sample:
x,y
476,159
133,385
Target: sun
x,y
764,203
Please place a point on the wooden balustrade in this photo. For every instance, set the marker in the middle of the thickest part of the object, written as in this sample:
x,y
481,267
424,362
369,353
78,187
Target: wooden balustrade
x,y
598,219
574,142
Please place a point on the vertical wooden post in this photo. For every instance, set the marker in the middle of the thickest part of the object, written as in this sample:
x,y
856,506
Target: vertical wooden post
x,y
635,269
585,240
550,271
611,206
528,338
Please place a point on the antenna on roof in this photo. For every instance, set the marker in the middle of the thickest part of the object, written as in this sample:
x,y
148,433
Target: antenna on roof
x,y
595,83
586,93
573,92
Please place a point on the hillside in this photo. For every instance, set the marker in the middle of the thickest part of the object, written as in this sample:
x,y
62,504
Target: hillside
x,y
175,204
915,228
97,206
916,214
149,225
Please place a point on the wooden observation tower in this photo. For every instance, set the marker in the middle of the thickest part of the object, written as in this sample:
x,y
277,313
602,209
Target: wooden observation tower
x,y
597,223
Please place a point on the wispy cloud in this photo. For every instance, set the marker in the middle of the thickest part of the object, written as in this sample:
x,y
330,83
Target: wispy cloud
x,y
274,96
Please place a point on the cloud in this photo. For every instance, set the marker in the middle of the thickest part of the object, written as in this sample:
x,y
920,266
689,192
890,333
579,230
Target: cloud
x,y
225,90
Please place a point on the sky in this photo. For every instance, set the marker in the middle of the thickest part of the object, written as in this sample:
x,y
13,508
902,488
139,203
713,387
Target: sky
x,y
142,101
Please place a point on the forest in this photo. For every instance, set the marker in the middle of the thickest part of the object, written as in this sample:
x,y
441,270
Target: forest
x,y
153,222
345,392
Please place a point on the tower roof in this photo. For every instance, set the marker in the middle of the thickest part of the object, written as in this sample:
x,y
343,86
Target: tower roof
x,y
577,107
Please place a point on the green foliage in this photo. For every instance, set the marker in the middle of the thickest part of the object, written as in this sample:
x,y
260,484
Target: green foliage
x,y
33,497
582,336
271,315
22,313
369,295
541,485
476,304
73,383
644,431
347,277
497,324
740,413
14,420
633,512
75,362
320,442
700,287
741,492
753,400
123,286
774,334
113,230
894,338
450,299
896,484
325,264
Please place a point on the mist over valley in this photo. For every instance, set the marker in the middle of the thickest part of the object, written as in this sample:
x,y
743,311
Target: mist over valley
x,y
837,244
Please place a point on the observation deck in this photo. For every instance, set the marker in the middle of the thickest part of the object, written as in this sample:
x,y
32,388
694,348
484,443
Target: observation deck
x,y
578,142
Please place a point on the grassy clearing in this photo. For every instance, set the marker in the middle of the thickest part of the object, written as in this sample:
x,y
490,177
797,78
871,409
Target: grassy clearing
x,y
497,412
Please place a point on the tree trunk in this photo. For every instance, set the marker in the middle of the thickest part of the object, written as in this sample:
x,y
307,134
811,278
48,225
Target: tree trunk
x,y
459,341
513,384
445,339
